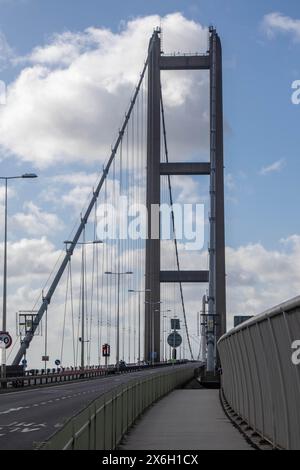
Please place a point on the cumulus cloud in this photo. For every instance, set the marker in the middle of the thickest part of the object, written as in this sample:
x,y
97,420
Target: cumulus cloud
x,y
6,52
68,101
276,22
255,280
188,190
35,221
29,259
254,283
229,180
275,167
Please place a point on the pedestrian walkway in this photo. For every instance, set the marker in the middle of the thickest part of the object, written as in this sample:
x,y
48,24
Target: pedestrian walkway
x,y
186,420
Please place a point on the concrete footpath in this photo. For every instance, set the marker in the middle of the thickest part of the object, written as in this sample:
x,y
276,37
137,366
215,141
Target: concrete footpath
x,y
186,420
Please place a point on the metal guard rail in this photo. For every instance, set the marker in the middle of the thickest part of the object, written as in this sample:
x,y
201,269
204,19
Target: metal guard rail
x,y
33,378
103,424
259,380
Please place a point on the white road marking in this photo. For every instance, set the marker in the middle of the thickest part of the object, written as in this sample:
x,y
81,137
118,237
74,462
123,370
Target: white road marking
x,y
11,410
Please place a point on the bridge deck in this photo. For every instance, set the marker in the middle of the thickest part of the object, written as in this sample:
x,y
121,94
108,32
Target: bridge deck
x,y
186,420
33,415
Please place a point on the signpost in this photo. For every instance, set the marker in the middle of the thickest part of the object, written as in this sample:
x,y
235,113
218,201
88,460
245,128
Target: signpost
x,y
175,324
106,352
5,343
174,340
5,340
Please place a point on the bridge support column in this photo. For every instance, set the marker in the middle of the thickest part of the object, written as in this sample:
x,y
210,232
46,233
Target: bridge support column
x,y
211,61
217,229
152,317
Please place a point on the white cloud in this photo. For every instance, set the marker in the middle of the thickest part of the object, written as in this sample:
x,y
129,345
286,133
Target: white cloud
x,y
275,167
64,49
230,182
77,178
30,259
254,283
10,193
255,280
187,190
275,22
6,52
67,103
36,222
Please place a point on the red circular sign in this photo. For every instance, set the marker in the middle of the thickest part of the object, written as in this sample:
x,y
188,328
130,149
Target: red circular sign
x,y
5,339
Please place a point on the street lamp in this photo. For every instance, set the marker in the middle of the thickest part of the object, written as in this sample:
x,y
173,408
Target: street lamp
x,y
82,339
164,330
6,178
152,304
139,292
95,242
118,274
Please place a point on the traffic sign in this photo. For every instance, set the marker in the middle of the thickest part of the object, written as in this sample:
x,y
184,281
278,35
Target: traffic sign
x,y
106,350
175,324
5,340
57,362
174,340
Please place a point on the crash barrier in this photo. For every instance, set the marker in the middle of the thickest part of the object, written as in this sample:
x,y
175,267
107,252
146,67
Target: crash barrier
x,y
260,378
102,425
36,377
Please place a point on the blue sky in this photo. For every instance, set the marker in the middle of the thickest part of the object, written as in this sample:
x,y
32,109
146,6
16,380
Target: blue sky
x,y
258,73
71,66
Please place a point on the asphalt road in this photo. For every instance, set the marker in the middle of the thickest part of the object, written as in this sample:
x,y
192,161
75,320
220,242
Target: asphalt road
x,y
31,416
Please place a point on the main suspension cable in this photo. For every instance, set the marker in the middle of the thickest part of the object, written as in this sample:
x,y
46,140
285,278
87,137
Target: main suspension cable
x,y
173,224
47,299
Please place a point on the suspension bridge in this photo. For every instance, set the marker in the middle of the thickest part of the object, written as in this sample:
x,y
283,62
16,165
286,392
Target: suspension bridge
x,y
104,316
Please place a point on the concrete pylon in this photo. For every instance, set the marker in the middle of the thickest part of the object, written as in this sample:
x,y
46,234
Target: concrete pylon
x,y
216,276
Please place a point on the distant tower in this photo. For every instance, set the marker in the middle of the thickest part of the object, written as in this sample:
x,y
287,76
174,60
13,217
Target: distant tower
x,y
216,278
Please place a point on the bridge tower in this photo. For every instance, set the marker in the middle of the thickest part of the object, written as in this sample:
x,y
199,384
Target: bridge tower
x,y
216,276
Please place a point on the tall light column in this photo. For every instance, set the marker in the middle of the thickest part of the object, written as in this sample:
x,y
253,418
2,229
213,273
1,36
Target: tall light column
x,y
164,331
151,331
82,339
118,274
4,311
139,292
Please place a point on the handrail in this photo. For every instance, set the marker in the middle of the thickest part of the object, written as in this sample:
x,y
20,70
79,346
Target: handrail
x,y
37,379
260,382
102,425
271,312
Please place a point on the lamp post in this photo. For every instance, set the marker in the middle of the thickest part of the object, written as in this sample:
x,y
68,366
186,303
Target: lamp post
x,y
139,292
4,313
152,304
82,339
164,330
118,274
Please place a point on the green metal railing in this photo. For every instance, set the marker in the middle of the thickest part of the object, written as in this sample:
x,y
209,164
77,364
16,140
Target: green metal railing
x,y
103,424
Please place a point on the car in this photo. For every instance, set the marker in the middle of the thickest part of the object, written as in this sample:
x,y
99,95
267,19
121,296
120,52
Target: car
x,y
121,365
